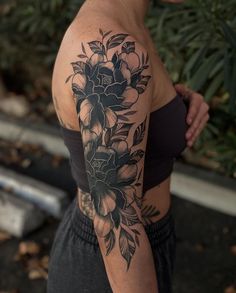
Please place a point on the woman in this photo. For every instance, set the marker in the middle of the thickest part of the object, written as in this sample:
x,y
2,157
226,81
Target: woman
x,y
119,112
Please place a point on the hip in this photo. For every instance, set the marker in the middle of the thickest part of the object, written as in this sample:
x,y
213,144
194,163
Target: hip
x,y
76,263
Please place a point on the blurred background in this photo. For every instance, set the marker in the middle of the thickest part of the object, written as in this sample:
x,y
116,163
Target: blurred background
x,y
197,43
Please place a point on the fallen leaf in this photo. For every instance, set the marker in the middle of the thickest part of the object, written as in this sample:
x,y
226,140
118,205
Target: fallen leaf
x,y
25,163
56,160
225,230
199,247
44,261
37,274
233,249
29,247
230,289
4,236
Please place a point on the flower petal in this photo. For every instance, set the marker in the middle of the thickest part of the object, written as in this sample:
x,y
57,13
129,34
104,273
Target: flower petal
x,y
97,128
80,80
130,96
110,118
120,146
126,174
85,112
108,65
125,71
132,59
96,58
102,225
104,198
107,203
88,136
130,193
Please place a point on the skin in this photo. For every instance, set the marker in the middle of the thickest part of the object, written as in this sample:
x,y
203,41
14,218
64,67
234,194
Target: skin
x,y
156,201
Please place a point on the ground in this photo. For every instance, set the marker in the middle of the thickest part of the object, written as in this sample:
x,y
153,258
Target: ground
x,y
205,261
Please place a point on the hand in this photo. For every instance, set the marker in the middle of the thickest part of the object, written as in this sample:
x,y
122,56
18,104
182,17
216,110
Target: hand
x,y
197,116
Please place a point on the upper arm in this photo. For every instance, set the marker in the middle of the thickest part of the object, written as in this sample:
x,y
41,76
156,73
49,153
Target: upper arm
x,y
111,86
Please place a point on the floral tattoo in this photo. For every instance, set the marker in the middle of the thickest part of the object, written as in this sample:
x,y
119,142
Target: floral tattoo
x,y
105,89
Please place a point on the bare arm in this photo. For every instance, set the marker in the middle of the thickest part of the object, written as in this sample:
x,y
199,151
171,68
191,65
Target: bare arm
x,y
110,84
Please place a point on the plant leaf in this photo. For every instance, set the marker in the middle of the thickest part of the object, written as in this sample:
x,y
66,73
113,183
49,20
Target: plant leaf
x,y
115,40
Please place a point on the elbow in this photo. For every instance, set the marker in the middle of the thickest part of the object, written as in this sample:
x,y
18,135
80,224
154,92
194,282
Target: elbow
x,y
115,207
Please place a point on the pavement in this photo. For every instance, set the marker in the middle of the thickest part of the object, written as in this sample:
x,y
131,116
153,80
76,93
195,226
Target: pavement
x,y
204,264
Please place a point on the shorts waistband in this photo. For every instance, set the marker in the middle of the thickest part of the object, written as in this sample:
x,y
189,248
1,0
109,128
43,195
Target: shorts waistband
x,y
157,232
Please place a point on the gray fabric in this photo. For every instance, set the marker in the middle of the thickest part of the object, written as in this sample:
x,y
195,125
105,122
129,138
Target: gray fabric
x,y
76,263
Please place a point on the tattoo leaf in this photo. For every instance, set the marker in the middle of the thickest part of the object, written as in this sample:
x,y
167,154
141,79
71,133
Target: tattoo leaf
x,y
110,241
143,58
136,156
123,118
82,56
139,175
136,239
139,201
129,216
121,131
142,83
106,34
77,91
139,133
68,78
128,47
136,231
148,212
116,217
83,49
115,40
130,112
78,66
101,32
97,47
127,246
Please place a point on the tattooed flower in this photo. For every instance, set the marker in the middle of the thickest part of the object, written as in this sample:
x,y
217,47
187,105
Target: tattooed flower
x,y
94,116
109,171
103,85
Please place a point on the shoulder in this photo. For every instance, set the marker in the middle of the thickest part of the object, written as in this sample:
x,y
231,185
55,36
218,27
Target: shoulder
x,y
105,60
105,56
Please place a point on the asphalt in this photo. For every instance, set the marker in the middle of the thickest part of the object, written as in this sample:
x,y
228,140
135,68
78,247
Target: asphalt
x,y
204,263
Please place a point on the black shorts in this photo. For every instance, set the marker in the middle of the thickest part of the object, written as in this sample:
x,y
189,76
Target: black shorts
x,y
76,264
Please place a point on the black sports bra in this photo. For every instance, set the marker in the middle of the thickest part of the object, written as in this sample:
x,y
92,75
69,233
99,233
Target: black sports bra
x,y
165,142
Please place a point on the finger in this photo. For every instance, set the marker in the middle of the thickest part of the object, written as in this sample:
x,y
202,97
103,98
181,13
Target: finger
x,y
203,111
182,89
195,101
194,107
198,131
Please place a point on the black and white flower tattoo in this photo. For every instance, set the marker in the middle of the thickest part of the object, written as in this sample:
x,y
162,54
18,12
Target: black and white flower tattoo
x,y
104,88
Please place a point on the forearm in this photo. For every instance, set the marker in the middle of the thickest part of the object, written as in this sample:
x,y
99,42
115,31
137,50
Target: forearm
x,y
140,276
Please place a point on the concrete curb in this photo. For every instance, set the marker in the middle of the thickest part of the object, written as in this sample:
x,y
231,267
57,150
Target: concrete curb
x,y
194,184
48,198
17,216
40,134
205,188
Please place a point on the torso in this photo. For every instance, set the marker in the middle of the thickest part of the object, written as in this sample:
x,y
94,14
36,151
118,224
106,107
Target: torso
x,y
162,91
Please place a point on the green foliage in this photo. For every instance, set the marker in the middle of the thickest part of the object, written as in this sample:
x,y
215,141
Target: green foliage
x,y
30,33
197,42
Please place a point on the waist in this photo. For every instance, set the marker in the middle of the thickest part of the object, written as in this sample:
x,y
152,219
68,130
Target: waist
x,y
156,200
157,231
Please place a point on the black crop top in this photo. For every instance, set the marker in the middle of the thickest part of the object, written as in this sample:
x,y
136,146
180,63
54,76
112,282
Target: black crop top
x,y
165,142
